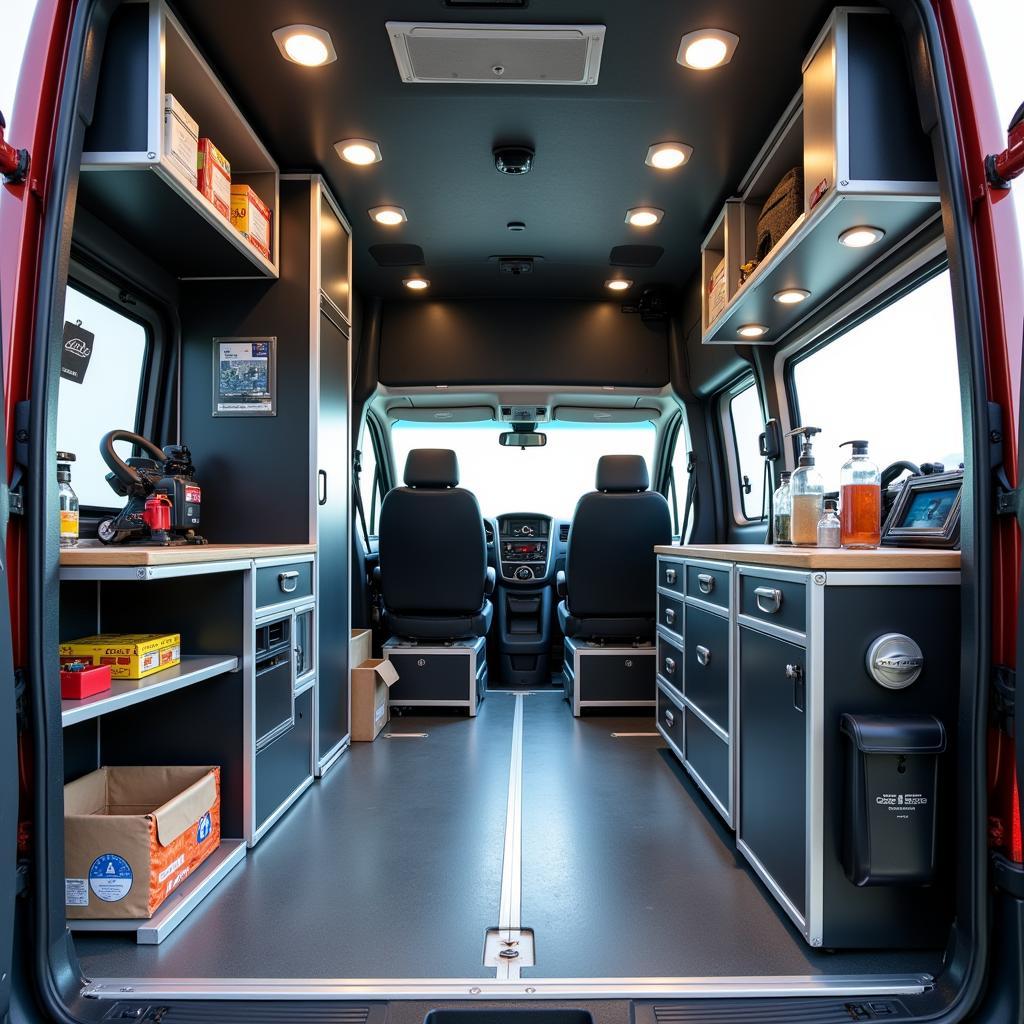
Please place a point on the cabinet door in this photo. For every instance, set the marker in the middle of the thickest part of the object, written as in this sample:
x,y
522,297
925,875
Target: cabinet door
x,y
333,542
773,759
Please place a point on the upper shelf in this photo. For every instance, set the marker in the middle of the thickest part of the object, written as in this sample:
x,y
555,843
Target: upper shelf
x,y
133,184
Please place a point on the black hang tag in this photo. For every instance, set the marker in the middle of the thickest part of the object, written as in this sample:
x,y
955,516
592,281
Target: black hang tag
x,y
76,353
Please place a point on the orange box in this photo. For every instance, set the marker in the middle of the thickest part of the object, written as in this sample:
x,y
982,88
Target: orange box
x,y
250,216
132,835
214,177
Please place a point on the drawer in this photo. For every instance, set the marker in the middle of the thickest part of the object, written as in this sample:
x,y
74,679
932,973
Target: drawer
x,y
286,763
707,757
708,584
276,584
782,602
670,574
670,613
707,664
670,662
670,719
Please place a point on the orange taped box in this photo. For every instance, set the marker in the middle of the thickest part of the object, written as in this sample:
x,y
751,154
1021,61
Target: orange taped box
x,y
250,217
132,835
213,177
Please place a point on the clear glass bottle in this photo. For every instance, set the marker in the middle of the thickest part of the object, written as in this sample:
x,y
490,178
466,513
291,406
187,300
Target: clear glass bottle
x,y
828,526
808,492
782,504
68,501
860,494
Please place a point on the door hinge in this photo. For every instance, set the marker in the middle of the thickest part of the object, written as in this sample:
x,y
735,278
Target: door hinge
x,y
1002,168
1003,701
14,163
1008,501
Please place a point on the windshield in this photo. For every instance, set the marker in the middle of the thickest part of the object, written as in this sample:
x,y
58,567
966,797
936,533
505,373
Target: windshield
x,y
546,480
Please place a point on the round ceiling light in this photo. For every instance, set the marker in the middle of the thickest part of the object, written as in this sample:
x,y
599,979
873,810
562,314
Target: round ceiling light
x,y
416,284
791,296
706,48
644,216
861,236
666,156
752,331
358,151
306,45
389,216
618,284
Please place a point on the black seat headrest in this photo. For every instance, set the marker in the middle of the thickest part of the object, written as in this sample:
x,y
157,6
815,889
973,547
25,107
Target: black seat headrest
x,y
622,473
431,467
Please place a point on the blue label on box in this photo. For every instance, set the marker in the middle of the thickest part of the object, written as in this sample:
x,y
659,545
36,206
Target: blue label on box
x,y
205,828
110,877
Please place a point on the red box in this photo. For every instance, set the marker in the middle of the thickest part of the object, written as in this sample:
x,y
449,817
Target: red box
x,y
78,683
214,177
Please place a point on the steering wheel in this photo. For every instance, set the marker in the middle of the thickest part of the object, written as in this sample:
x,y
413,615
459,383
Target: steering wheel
x,y
128,475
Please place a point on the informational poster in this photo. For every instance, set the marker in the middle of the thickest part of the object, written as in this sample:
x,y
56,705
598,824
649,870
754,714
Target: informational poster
x,y
77,351
245,376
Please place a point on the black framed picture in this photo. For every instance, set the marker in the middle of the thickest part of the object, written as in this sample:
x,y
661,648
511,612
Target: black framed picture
x,y
926,512
245,376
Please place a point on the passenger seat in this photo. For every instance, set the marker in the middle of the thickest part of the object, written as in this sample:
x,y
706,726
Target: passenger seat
x,y
609,579
433,555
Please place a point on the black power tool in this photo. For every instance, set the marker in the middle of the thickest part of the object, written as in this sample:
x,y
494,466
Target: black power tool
x,y
163,496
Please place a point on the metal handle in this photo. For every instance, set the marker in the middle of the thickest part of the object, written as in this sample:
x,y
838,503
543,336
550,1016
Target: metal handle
x,y
670,576
670,719
796,673
769,599
670,616
321,498
670,666
703,655
706,582
288,581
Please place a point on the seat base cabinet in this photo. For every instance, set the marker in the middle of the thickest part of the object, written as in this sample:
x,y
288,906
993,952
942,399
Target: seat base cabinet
x,y
438,675
602,676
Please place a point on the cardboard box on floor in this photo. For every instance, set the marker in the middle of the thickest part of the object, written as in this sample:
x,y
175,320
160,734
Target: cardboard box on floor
x,y
360,647
371,683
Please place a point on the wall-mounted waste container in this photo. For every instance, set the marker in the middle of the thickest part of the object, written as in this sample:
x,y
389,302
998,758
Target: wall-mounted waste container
x,y
892,791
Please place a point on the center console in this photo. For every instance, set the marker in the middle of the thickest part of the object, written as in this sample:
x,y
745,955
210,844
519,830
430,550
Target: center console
x,y
523,548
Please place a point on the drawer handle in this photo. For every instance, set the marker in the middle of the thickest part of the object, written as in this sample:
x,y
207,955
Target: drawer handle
x,y
670,666
706,582
288,581
670,575
703,655
670,719
769,599
670,616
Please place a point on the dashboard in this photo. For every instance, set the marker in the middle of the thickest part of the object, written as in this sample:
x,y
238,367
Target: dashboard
x,y
524,547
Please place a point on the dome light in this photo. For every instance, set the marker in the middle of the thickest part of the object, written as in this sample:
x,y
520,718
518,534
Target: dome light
x,y
306,45
416,284
752,331
791,296
644,216
706,48
358,151
618,284
389,216
861,236
666,156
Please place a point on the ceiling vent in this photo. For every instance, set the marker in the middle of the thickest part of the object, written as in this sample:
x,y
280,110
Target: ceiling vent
x,y
635,255
394,254
497,54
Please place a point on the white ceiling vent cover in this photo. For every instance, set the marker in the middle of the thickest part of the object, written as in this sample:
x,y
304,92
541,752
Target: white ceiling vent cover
x,y
511,54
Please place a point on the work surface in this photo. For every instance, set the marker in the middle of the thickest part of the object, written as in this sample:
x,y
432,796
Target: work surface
x,y
94,553
817,558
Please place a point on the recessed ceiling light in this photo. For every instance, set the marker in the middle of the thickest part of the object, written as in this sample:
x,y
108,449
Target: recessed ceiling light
x,y
389,216
861,236
416,284
618,284
706,48
305,44
358,151
791,296
752,331
644,216
666,156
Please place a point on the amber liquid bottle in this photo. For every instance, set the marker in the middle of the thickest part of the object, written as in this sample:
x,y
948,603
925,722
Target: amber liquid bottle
x,y
860,494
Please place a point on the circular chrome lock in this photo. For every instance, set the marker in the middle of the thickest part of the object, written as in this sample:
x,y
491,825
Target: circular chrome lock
x,y
894,661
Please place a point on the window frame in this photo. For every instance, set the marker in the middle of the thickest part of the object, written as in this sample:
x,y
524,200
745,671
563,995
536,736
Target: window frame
x,y
372,432
730,445
676,495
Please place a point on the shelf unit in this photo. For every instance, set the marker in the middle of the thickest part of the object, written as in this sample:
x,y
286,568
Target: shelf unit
x,y
131,183
723,243
125,692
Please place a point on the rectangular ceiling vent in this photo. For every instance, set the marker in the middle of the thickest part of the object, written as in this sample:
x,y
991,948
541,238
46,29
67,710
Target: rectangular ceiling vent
x,y
497,54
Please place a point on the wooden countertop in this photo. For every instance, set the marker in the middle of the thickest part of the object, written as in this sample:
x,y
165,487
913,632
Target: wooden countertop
x,y
93,553
818,558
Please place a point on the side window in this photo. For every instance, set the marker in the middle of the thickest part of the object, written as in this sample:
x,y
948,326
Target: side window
x,y
746,422
369,482
680,482
102,364
908,410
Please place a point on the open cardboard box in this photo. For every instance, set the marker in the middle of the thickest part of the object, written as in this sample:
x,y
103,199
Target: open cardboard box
x,y
371,684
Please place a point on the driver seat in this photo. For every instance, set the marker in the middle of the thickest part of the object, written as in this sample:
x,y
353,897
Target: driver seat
x,y
434,575
609,579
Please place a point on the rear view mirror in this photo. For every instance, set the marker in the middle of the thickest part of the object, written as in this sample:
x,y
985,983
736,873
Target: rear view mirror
x,y
528,439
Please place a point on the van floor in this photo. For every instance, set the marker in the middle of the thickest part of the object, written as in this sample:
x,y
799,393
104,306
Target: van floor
x,y
391,867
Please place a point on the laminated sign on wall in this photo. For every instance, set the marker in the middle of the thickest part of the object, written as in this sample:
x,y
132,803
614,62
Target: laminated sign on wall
x,y
77,351
245,377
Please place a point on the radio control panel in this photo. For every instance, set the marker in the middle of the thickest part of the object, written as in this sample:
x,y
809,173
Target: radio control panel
x,y
523,547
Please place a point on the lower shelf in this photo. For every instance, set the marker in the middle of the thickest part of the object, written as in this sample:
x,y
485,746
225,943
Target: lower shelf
x,y
177,906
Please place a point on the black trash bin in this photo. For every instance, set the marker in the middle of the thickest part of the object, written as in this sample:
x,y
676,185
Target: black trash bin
x,y
891,798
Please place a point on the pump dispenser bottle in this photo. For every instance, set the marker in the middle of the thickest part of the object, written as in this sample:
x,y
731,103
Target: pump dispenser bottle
x,y
808,492
67,501
782,503
860,495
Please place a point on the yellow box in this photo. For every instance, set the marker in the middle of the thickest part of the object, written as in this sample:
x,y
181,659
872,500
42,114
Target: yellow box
x,y
129,655
250,216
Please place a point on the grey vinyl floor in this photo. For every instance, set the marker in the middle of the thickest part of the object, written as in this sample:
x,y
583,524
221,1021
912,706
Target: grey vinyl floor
x,y
391,868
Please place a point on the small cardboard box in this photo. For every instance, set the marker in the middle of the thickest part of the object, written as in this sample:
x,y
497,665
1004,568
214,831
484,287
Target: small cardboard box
x,y
181,139
250,217
214,177
132,835
129,655
717,294
371,683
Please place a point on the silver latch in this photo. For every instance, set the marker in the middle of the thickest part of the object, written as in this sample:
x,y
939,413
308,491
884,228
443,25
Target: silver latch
x,y
894,661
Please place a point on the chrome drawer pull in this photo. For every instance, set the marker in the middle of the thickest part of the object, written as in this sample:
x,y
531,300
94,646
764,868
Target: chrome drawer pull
x,y
769,599
670,616
670,719
706,582
670,666
703,655
670,575
288,581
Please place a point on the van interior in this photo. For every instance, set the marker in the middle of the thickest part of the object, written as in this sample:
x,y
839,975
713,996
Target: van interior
x,y
445,405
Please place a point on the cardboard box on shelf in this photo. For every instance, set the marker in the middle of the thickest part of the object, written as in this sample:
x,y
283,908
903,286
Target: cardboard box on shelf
x,y
132,835
250,216
214,177
181,139
129,655
716,292
371,683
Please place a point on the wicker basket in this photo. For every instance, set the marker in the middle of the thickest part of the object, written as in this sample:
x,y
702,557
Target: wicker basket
x,y
782,207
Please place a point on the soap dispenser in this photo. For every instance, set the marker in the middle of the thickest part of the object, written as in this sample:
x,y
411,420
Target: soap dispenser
x,y
860,488
808,492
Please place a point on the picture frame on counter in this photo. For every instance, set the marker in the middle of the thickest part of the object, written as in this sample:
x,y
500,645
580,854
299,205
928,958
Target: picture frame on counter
x,y
245,376
926,512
